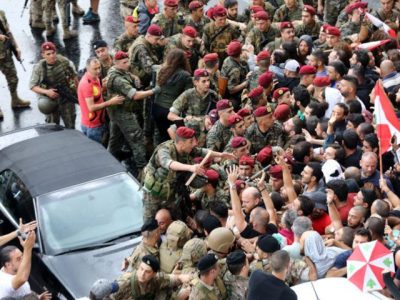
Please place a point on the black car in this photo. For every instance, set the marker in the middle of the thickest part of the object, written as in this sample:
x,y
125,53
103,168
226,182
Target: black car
x,y
88,208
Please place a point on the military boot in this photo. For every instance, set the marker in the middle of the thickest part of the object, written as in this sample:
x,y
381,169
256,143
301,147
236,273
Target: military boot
x,y
50,30
69,34
38,25
77,10
17,102
1,115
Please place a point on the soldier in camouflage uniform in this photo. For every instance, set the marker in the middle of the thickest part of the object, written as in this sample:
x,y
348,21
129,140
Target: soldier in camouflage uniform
x,y
196,18
127,7
388,14
265,131
290,11
124,118
236,124
236,280
126,39
332,9
218,34
266,246
101,51
192,252
310,26
355,23
169,20
36,14
7,66
262,33
48,76
287,35
263,62
49,13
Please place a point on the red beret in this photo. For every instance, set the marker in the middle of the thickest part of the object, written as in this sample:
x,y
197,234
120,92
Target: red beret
x,y
185,132
212,175
279,92
131,19
282,112
265,155
309,9
234,119
321,81
201,73
244,112
218,11
199,159
255,8
306,70
246,160
261,15
240,185
276,172
265,79
234,48
349,8
195,5
238,141
256,92
285,25
325,27
190,31
262,55
121,55
48,46
332,30
171,3
154,30
288,158
262,111
210,57
223,104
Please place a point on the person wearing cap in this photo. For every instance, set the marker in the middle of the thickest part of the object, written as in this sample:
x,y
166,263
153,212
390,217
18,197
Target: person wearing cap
x,y
320,42
240,146
7,66
281,95
209,285
262,33
197,101
235,69
169,20
287,35
126,39
211,64
100,48
307,75
146,10
289,11
49,75
332,37
247,116
309,24
263,60
356,29
236,279
246,167
266,245
237,127
215,38
276,178
265,131
196,18
220,133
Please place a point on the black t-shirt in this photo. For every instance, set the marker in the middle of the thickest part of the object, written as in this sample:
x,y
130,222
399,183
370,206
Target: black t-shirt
x,y
249,232
266,286
353,160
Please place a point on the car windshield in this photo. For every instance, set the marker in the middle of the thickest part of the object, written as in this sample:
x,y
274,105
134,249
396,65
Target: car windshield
x,y
90,213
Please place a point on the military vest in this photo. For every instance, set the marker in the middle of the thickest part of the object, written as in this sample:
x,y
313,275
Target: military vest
x,y
138,44
168,257
59,73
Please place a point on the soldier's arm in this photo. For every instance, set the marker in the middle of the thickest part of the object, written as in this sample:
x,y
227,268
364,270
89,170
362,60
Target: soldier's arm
x,y
234,84
213,141
250,38
206,42
240,221
145,61
165,160
127,90
178,106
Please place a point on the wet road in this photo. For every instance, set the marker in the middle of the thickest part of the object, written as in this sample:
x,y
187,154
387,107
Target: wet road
x,y
77,49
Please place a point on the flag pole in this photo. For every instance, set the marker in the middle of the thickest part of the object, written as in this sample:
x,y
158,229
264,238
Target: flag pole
x,y
379,140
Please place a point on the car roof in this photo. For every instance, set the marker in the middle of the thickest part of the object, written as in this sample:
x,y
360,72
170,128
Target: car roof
x,y
57,160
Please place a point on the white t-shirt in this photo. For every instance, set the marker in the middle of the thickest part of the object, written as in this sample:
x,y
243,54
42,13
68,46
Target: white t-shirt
x,y
6,289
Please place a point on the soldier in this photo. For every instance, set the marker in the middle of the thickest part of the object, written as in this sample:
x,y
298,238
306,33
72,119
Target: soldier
x,y
266,81
235,69
240,146
287,35
160,173
169,21
220,133
196,18
264,131
246,167
237,127
310,25
388,14
126,39
247,116
266,246
101,51
187,41
192,252
331,9
355,29
256,98
320,42
236,280
54,80
48,16
36,14
197,101
209,285
220,242
288,12
262,33
307,74
218,34
263,60
7,66
211,64
332,38
125,118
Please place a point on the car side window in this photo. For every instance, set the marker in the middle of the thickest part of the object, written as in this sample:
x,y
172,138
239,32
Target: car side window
x,y
15,197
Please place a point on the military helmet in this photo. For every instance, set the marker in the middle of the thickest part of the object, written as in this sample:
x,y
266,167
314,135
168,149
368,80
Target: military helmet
x,y
47,105
193,250
178,232
221,240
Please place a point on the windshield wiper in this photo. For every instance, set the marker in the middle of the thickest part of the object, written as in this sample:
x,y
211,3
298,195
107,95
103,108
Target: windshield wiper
x,y
88,247
129,234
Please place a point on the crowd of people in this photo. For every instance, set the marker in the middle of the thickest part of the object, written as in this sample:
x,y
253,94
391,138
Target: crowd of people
x,y
252,134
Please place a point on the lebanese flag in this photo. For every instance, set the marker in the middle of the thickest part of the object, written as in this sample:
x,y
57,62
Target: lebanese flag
x,y
372,45
387,123
385,27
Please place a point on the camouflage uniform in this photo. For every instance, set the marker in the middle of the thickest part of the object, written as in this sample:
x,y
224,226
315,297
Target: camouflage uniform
x,y
274,137
277,44
190,103
216,39
105,68
342,18
214,85
61,73
135,259
332,8
236,286
192,252
205,200
297,267
393,16
197,124
311,30
123,42
36,14
349,28
169,27
260,39
125,118
261,264
49,12
253,78
127,7
199,26
218,136
202,291
283,14
236,73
